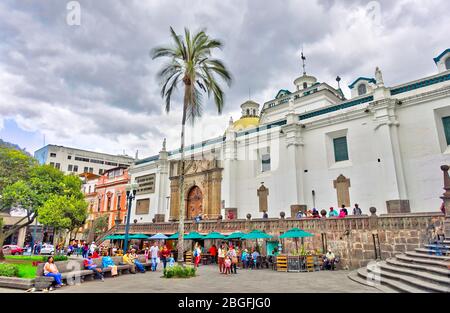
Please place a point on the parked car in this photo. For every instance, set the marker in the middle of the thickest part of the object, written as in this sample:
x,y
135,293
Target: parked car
x,y
12,249
47,249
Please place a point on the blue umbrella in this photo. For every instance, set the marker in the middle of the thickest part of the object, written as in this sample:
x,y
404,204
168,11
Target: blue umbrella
x,y
158,236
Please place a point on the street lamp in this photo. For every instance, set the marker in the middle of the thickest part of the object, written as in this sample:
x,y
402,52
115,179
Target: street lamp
x,y
131,195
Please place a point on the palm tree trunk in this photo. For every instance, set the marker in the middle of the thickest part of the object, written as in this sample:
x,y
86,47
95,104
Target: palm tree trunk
x,y
180,258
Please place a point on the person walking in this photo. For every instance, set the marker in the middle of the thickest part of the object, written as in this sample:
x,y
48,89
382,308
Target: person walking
x,y
221,258
213,253
85,250
154,254
232,255
197,254
93,247
165,254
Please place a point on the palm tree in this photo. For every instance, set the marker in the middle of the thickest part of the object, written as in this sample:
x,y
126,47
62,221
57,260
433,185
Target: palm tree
x,y
190,64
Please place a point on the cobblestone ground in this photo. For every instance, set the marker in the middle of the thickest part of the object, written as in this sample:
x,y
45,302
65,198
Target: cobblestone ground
x,y
210,280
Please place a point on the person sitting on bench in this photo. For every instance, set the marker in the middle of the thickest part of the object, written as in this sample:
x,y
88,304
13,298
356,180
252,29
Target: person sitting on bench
x,y
90,265
329,260
50,270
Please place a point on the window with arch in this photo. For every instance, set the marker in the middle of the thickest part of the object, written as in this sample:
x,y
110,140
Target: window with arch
x,y
362,89
305,85
248,111
447,63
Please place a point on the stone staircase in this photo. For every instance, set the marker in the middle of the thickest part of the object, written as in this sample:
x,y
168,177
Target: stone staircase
x,y
423,270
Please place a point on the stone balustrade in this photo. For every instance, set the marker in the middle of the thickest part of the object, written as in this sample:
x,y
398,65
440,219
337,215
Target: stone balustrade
x,y
278,226
352,238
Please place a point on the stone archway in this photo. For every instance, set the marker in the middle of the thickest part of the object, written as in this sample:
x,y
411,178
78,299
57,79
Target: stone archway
x,y
194,205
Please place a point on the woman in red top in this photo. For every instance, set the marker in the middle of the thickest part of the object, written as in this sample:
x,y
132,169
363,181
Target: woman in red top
x,y
165,253
95,255
213,252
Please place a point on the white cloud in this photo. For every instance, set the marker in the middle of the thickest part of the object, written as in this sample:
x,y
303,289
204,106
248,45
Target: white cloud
x,y
94,86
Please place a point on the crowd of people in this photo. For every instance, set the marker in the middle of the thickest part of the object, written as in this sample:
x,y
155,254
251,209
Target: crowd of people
x,y
343,212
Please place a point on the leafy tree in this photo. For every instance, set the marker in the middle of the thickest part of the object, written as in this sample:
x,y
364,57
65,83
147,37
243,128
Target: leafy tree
x,y
63,212
190,65
14,165
41,188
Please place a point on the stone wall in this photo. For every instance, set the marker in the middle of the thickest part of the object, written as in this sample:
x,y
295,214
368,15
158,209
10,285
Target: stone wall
x,y
351,238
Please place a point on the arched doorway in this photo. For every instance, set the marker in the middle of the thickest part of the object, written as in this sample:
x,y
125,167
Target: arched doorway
x,y
194,202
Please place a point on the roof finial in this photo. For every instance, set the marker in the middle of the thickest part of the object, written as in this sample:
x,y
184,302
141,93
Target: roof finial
x,y
164,145
303,61
338,79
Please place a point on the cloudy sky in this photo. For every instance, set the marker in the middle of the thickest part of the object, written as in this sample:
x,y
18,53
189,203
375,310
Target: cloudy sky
x,y
94,86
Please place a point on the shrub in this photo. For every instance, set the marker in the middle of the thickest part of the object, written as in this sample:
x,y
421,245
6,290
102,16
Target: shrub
x,y
179,271
57,258
9,270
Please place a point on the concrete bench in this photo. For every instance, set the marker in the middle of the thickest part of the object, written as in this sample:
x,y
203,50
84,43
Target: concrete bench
x,y
73,271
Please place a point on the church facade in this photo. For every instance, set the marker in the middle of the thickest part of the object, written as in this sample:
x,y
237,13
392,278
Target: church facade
x,y
312,148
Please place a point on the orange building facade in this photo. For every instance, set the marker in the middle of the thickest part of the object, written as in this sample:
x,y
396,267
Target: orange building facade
x,y
111,195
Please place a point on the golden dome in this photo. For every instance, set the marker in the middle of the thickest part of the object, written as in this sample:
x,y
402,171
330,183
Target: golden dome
x,y
246,122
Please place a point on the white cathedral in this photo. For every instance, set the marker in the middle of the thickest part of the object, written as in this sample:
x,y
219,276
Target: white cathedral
x,y
312,148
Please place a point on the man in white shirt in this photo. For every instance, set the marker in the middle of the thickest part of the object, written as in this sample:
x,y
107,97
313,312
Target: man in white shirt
x,y
154,253
92,247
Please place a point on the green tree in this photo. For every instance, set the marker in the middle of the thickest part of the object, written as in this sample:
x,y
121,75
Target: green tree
x,y
36,192
63,212
14,165
190,65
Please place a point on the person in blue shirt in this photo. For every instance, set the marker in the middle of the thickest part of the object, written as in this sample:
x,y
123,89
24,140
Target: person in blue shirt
x,y
255,255
171,260
90,265
244,258
107,261
333,213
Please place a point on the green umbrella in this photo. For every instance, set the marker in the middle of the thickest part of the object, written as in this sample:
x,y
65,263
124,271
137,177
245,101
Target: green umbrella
x,y
193,235
138,236
296,233
214,235
173,237
256,234
111,237
235,235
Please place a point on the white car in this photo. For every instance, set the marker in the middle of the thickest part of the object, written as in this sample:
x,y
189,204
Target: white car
x,y
47,249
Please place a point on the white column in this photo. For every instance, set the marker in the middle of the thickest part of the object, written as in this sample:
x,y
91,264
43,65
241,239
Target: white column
x,y
388,144
294,170
163,183
229,171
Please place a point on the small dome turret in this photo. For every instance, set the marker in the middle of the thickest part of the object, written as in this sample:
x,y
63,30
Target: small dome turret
x,y
250,116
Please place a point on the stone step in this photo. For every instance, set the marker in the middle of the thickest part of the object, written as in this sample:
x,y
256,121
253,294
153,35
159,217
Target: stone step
x,y
360,279
428,256
431,251
427,268
392,284
418,260
437,279
442,247
418,284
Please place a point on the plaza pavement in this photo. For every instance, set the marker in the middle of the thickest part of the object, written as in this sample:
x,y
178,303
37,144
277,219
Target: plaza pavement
x,y
209,280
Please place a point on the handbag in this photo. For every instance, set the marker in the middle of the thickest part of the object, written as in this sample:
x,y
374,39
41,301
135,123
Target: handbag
x,y
234,260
